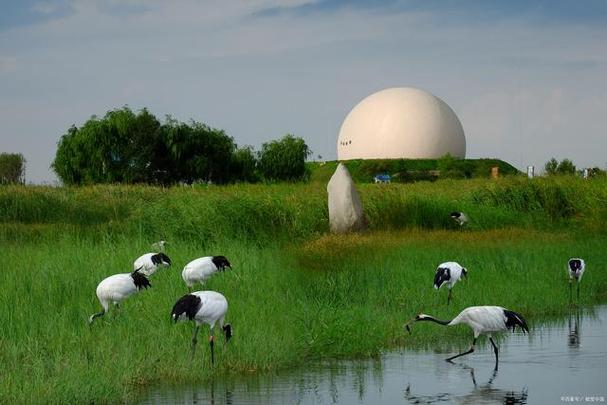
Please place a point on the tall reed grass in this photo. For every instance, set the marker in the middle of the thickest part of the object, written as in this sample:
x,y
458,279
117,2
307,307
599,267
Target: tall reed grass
x,y
296,294
262,213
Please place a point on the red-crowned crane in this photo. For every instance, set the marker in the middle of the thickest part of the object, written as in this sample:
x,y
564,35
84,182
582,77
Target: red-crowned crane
x,y
459,217
199,270
483,320
201,307
149,263
117,288
449,273
575,269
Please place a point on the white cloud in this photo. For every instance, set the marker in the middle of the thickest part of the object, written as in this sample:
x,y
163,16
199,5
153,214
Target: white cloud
x,y
520,90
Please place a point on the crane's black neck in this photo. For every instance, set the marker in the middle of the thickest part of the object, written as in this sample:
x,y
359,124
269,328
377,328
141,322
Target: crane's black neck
x,y
432,319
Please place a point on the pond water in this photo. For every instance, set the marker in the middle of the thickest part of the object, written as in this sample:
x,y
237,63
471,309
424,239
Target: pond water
x,y
562,362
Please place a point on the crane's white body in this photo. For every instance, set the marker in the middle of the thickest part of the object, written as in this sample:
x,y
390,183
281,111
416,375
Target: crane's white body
x,y
201,307
482,319
455,274
213,309
115,289
460,218
485,320
146,265
576,268
199,270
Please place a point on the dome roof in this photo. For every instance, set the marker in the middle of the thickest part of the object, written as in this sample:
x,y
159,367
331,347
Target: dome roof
x,y
401,122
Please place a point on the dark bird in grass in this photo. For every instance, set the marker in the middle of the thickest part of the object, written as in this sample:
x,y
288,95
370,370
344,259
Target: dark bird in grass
x,y
483,320
459,217
202,307
117,288
448,274
575,269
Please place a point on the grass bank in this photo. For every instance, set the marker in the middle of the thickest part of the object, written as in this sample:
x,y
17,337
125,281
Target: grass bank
x,y
263,213
295,294
410,170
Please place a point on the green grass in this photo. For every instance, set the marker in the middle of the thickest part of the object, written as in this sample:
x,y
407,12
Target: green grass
x,y
296,294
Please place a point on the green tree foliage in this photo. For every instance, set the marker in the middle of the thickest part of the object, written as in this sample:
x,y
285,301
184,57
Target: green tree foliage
x,y
553,167
12,168
128,147
120,147
197,152
566,167
284,159
244,164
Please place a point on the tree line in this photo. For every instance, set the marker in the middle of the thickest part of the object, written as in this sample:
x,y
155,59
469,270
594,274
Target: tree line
x,y
566,167
12,168
135,147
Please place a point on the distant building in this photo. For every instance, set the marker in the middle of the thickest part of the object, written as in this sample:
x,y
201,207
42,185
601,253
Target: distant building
x,y
398,123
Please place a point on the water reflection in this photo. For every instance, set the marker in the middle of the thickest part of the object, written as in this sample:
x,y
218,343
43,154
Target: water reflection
x,y
538,368
484,393
574,327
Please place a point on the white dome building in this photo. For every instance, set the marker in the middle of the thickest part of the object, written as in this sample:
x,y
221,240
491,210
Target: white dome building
x,y
401,122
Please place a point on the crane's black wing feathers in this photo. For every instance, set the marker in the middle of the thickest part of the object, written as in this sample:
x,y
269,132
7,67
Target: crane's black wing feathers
x,y
442,275
159,258
188,304
140,280
514,319
221,262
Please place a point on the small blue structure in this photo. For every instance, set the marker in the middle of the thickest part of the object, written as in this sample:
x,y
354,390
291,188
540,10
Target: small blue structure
x,y
382,178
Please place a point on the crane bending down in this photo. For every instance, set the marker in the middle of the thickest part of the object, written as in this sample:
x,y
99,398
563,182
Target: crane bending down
x,y
575,268
449,273
117,288
201,269
483,320
459,217
201,307
149,263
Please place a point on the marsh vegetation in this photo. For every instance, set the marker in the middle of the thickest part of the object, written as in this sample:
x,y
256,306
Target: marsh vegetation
x,y
296,293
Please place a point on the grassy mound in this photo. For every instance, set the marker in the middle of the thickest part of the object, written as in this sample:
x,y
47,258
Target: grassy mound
x,y
410,170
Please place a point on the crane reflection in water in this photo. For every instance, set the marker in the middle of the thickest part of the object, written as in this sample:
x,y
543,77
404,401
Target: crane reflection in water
x,y
483,393
574,328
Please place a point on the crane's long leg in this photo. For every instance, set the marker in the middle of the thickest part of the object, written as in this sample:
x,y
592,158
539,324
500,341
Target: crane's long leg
x,y
465,353
449,297
212,344
495,351
194,340
493,375
570,292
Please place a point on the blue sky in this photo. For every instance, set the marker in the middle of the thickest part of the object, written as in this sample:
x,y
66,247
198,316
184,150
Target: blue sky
x,y
528,80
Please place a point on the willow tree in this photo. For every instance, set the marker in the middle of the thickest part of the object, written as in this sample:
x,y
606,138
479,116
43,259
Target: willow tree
x,y
284,159
12,168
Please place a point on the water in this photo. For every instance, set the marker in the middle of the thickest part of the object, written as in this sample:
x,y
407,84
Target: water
x,y
564,362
